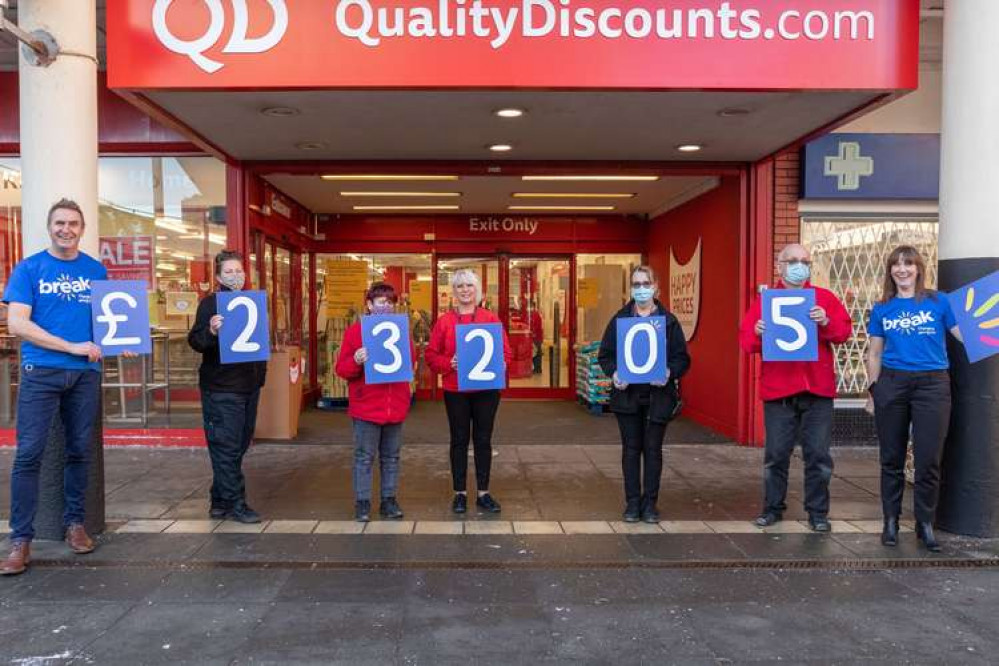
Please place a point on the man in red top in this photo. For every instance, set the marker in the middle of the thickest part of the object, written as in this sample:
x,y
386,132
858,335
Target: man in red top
x,y
798,396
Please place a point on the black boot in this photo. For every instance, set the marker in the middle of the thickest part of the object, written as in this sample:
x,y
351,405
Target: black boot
x,y
889,535
632,511
924,532
650,512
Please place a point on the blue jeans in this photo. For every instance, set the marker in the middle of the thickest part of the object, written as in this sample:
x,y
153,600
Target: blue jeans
x,y
229,420
43,391
386,441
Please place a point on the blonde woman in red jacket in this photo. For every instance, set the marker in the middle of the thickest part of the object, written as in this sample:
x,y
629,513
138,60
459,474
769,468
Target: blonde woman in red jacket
x,y
378,411
470,414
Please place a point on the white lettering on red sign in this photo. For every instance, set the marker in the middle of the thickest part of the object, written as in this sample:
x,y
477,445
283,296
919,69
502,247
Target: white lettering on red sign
x,y
521,225
127,257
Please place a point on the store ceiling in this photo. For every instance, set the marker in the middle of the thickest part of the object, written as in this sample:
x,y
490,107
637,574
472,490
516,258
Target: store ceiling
x,y
493,194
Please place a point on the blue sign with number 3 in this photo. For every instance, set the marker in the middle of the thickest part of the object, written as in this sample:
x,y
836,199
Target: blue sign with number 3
x,y
386,337
120,314
641,349
789,335
245,332
479,348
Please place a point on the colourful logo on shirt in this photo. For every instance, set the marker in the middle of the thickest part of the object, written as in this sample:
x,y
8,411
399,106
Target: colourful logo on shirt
x,y
66,288
907,323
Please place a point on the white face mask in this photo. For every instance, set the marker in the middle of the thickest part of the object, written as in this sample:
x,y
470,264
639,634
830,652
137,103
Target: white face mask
x,y
234,282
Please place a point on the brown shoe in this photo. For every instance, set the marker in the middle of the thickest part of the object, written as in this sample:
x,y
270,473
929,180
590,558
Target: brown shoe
x,y
78,541
18,560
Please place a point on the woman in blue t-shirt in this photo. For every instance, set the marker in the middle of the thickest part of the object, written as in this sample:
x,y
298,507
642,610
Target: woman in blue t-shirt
x,y
910,387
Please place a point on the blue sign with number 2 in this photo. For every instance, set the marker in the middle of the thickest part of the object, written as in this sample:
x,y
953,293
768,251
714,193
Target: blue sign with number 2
x,y
479,348
386,337
641,349
789,335
244,335
120,315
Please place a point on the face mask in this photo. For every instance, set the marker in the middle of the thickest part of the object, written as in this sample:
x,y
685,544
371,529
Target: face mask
x,y
797,273
234,282
642,294
383,309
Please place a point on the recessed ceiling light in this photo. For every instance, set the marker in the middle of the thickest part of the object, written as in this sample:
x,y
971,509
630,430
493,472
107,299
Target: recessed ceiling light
x,y
733,112
400,194
572,195
621,178
280,111
550,208
501,147
412,177
509,113
399,208
310,145
689,148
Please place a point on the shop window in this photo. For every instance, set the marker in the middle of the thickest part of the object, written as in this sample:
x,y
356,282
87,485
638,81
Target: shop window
x,y
306,320
341,280
848,257
162,220
601,290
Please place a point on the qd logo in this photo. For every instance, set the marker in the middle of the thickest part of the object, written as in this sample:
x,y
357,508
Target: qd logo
x,y
238,41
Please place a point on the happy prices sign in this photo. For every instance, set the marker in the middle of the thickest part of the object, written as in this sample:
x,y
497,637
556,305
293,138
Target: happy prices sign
x,y
685,291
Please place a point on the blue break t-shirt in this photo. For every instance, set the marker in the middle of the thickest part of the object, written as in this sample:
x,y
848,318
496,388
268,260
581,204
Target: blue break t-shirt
x,y
915,332
58,292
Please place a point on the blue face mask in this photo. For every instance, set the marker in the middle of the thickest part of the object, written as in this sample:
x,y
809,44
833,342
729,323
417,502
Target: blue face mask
x,y
797,273
382,308
642,294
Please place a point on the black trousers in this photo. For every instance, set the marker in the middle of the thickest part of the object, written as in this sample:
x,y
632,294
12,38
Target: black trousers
x,y
471,416
804,418
920,400
229,419
641,442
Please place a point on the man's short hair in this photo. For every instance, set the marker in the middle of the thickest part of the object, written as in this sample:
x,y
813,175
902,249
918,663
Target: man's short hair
x,y
65,204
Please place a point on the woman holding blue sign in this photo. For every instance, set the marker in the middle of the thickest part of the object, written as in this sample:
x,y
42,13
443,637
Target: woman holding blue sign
x,y
377,409
907,367
470,413
643,408
230,393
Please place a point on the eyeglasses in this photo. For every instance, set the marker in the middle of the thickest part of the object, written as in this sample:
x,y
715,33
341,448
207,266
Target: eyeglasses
x,y
803,262
641,284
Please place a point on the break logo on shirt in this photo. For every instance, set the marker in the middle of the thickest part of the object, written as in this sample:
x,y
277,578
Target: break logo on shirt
x,y
908,323
66,288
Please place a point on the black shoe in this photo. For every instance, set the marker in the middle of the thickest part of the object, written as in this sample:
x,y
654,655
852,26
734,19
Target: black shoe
x,y
218,512
362,511
460,503
390,509
487,503
767,518
924,532
242,513
889,535
650,514
819,524
632,512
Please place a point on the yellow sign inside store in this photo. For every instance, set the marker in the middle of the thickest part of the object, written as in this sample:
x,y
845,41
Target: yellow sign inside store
x,y
587,292
346,282
420,295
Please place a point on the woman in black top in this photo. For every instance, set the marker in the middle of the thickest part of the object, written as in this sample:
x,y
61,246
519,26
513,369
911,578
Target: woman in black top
x,y
644,410
229,397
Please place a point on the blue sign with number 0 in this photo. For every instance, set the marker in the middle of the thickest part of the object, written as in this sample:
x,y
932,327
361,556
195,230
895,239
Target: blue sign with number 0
x,y
386,337
120,314
245,332
641,349
480,352
789,335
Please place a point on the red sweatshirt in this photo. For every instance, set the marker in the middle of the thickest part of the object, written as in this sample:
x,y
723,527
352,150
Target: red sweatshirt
x,y
376,403
786,378
442,346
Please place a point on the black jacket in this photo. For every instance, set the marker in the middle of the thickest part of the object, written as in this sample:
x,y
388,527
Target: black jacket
x,y
212,375
662,399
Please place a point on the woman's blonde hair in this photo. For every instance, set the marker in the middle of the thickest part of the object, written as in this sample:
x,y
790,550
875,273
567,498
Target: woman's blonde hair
x,y
467,276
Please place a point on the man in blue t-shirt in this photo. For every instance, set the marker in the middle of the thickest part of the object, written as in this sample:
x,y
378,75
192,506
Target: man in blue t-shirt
x,y
48,299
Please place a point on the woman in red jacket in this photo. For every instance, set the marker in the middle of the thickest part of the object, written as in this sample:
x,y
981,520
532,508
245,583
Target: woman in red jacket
x,y
378,411
470,414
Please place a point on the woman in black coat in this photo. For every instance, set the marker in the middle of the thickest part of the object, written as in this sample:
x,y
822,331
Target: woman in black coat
x,y
644,410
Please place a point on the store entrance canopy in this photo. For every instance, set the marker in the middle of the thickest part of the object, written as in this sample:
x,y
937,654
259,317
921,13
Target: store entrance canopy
x,y
375,79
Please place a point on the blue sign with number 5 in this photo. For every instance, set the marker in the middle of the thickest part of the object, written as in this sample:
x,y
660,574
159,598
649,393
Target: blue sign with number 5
x,y
789,335
245,332
641,349
120,314
479,348
386,337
